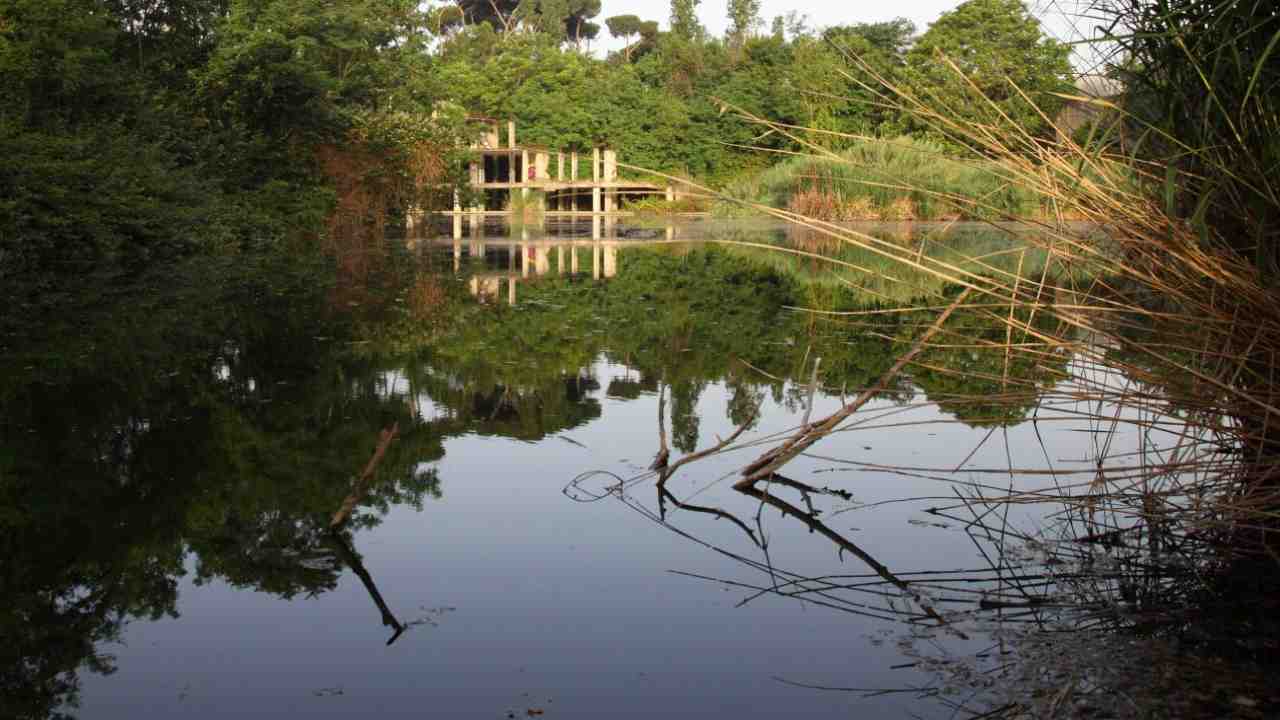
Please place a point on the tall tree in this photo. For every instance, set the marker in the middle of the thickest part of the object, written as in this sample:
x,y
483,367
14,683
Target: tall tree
x,y
624,27
780,28
744,18
1004,56
684,19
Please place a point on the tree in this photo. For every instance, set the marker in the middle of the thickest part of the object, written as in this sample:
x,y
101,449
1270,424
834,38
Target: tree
x,y
624,27
684,19
1002,53
744,18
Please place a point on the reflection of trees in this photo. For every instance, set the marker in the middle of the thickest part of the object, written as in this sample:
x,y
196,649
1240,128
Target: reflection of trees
x,y
973,374
190,430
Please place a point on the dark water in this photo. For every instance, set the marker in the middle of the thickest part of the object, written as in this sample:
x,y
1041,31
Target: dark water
x,y
170,469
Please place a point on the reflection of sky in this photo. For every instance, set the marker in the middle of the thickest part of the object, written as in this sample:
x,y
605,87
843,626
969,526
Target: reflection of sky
x,y
540,602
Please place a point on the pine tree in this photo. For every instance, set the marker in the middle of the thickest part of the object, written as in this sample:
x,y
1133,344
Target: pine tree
x,y
744,17
684,19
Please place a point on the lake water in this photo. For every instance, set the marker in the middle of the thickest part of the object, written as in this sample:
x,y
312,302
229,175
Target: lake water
x,y
488,408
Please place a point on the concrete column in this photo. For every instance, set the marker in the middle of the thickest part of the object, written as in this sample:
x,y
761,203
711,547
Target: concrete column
x,y
595,261
511,134
457,223
595,227
608,201
543,264
524,174
559,167
457,255
595,165
610,259
671,194
573,259
511,167
573,167
511,291
610,166
595,200
559,259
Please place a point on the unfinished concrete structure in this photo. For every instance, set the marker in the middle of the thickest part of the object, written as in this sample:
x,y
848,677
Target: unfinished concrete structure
x,y
503,169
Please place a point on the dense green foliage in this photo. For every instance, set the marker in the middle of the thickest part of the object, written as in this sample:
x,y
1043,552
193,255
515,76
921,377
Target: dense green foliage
x,y
1010,69
135,133
660,101
1204,102
898,179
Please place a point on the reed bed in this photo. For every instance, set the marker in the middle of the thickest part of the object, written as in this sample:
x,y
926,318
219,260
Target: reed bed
x,y
1171,323
894,180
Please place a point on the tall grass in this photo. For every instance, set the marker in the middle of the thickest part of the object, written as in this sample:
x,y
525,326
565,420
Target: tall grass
x,y
894,179
1204,104
1172,328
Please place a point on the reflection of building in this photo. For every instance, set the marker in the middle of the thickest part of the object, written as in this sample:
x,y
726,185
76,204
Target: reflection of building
x,y
530,260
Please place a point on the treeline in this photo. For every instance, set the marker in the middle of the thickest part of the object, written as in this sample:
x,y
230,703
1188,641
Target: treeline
x,y
662,99
133,132
137,131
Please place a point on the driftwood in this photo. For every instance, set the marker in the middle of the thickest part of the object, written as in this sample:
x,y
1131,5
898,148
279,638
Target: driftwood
x,y
348,555
361,485
769,463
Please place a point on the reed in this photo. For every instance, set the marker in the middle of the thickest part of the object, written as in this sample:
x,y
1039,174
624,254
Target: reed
x,y
891,179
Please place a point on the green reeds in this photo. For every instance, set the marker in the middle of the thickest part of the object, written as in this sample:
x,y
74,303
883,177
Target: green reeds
x,y
892,179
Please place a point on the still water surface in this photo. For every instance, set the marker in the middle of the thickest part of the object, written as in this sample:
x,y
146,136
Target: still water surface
x,y
171,488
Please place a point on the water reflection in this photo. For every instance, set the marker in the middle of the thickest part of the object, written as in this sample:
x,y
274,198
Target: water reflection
x,y
269,432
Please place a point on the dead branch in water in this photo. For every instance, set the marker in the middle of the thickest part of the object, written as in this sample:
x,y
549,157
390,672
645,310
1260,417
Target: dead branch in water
x,y
361,485
770,462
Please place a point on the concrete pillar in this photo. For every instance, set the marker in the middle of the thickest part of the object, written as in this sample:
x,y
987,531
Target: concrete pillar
x,y
610,166
457,223
524,260
671,194
595,200
595,261
573,259
543,264
559,167
511,291
595,165
573,167
608,201
457,255
511,134
559,259
542,164
595,227
610,259
524,166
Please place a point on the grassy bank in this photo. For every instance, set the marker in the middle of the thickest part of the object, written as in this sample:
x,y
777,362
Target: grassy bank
x,y
894,179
